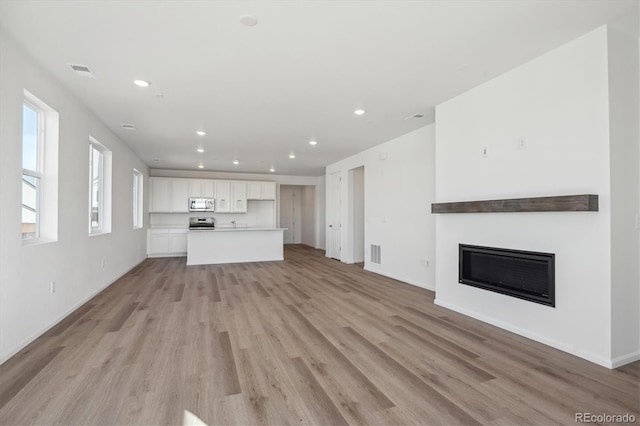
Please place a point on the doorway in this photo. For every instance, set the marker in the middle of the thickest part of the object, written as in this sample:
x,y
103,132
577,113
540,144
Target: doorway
x,y
334,222
288,214
356,208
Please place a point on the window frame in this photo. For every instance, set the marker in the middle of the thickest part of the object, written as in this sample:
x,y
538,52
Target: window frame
x,y
96,146
32,103
138,194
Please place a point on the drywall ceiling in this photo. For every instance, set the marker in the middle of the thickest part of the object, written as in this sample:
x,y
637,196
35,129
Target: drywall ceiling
x,y
263,92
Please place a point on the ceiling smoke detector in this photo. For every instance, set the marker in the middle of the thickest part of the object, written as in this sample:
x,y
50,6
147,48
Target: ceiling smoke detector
x,y
82,70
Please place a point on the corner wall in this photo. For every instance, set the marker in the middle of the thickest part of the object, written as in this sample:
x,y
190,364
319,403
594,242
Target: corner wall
x,y
624,109
74,262
559,104
398,192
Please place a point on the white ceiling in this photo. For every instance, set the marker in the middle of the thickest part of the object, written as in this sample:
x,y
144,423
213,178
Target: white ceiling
x,y
262,92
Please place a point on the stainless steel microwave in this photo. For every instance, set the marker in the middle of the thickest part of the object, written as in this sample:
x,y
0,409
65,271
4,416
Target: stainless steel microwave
x,y
201,204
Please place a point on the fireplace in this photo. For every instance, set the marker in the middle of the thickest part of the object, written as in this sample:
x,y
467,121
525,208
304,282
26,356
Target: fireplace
x,y
523,274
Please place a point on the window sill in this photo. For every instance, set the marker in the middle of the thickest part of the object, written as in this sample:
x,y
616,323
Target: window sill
x,y
97,234
37,242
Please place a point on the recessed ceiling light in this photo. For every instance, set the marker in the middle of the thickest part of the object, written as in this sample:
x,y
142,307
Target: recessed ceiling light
x,y
359,112
200,166
236,162
292,156
313,142
200,149
201,133
272,170
141,83
248,20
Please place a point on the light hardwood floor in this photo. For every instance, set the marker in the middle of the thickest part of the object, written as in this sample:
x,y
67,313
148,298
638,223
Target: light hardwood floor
x,y
304,341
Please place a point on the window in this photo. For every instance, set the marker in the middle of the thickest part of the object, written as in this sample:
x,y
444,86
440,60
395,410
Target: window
x,y
99,188
137,199
39,171
32,141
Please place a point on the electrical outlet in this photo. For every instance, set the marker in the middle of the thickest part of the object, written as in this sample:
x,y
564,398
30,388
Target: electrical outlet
x,y
484,152
521,144
53,287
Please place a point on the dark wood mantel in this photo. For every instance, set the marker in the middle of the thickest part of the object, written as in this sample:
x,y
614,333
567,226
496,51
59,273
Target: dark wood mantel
x,y
562,203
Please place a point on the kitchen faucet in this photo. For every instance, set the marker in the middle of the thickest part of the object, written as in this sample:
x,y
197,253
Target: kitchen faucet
x,y
234,224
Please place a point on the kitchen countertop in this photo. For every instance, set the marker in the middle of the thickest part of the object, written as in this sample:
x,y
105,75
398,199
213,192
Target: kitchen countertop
x,y
237,229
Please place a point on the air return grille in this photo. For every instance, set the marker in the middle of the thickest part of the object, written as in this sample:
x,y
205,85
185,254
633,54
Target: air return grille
x,y
376,256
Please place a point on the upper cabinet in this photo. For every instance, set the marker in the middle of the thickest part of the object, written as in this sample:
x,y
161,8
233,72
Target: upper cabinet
x,y
169,195
239,191
160,197
223,196
261,190
180,196
201,188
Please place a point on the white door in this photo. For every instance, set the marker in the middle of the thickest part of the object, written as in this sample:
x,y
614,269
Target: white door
x,y
333,216
287,215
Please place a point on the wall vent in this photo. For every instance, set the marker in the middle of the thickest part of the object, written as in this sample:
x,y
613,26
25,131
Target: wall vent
x,y
415,117
82,70
376,256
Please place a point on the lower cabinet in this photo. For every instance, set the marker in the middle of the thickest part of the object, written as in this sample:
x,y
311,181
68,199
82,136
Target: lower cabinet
x,y
164,242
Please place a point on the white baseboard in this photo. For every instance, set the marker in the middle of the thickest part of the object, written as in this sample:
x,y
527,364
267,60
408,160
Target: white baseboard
x,y
47,327
152,256
596,359
399,278
625,359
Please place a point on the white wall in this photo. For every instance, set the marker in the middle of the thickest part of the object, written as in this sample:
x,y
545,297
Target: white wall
x,y
625,185
399,189
27,308
559,104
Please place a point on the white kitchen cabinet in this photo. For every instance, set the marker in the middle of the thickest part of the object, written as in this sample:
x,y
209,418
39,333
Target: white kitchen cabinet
x,y
239,193
164,242
268,190
158,241
169,195
160,199
231,196
254,190
261,190
178,241
201,188
223,196
180,196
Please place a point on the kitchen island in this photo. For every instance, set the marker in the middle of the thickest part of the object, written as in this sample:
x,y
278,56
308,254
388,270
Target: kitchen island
x,y
230,245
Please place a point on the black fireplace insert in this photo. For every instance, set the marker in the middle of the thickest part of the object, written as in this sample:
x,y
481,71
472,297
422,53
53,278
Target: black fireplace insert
x,y
524,274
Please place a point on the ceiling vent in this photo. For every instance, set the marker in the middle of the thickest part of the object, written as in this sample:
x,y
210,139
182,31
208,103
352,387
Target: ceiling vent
x,y
415,117
82,70
128,126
